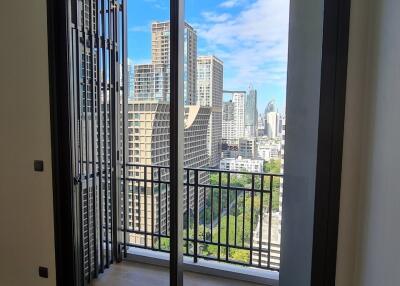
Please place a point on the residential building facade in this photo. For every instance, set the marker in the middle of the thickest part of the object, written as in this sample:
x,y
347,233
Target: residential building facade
x,y
161,56
210,94
251,113
242,164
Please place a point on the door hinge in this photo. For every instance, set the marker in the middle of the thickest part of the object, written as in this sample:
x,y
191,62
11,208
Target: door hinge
x,y
77,180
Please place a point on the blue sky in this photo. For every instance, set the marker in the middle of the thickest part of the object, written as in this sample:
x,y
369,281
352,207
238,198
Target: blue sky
x,y
250,36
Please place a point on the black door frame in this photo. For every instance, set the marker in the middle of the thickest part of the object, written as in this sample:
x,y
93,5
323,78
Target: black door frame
x,y
65,235
329,156
330,140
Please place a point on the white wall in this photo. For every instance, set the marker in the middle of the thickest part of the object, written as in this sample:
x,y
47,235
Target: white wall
x,y
369,235
302,109
26,206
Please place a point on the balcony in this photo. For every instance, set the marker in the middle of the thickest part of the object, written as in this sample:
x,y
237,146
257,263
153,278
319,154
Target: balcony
x,y
231,221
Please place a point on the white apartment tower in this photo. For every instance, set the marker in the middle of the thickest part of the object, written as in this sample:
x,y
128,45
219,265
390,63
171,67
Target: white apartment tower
x,y
271,120
238,99
210,94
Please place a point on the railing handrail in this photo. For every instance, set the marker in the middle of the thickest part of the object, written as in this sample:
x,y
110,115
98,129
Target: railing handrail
x,y
208,170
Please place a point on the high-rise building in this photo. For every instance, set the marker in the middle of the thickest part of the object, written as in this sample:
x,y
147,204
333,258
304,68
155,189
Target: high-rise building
x,y
151,82
271,120
210,93
161,56
260,126
149,144
248,148
228,122
233,117
251,113
238,99
131,78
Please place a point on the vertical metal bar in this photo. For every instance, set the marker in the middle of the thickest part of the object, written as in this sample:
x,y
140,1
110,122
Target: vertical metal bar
x,y
167,230
100,95
159,208
236,215
145,206
94,136
139,205
251,219
244,215
78,58
196,215
110,115
260,234
219,213
152,208
75,113
106,125
212,213
132,187
125,110
187,210
271,180
115,101
204,212
87,158
177,139
228,206
134,183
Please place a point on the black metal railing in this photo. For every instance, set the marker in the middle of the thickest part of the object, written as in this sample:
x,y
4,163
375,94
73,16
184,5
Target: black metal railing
x,y
229,216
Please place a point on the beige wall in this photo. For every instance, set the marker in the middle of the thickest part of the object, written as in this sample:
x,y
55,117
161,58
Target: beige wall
x,y
26,208
369,235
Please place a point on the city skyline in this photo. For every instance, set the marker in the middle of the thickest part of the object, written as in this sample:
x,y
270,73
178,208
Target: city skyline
x,y
250,57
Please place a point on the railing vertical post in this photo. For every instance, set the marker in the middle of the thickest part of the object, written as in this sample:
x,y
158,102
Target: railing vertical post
x,y
219,213
228,206
236,216
251,220
271,181
145,205
152,206
159,207
260,230
187,209
196,214
204,213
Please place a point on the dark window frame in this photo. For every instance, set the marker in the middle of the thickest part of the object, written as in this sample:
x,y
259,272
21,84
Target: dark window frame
x,y
330,140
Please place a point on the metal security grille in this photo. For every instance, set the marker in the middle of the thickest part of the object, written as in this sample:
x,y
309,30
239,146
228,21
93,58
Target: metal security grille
x,y
98,68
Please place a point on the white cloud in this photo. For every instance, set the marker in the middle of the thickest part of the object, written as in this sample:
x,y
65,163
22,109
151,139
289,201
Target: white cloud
x,y
159,4
253,43
230,3
214,17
